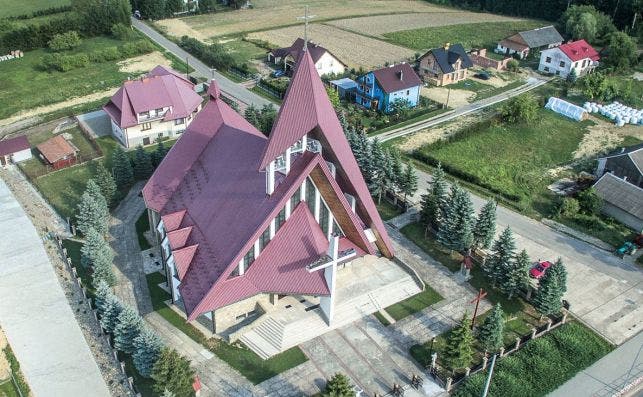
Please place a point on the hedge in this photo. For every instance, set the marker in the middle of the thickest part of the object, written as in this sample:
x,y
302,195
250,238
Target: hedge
x,y
542,365
213,55
64,63
43,12
36,34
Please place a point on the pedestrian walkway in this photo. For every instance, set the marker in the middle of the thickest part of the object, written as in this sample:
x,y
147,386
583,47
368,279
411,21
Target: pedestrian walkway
x,y
620,373
35,314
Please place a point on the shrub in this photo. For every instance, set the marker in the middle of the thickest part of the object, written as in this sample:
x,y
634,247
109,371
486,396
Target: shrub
x,y
135,48
64,63
569,207
520,109
214,55
122,32
513,65
36,34
590,202
105,55
64,41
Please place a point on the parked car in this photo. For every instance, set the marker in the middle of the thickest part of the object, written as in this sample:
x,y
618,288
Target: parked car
x,y
278,73
539,268
137,14
482,76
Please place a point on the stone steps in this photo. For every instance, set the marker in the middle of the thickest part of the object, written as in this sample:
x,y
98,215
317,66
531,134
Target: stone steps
x,y
266,338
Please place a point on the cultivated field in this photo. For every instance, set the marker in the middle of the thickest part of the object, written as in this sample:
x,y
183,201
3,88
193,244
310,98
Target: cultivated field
x,y
354,49
381,24
9,8
268,14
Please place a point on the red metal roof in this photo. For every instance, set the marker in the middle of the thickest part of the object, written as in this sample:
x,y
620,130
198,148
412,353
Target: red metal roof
x,y
578,50
316,51
172,221
397,77
178,238
183,258
13,145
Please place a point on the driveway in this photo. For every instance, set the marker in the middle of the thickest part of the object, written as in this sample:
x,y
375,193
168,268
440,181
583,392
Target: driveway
x,y
226,85
35,314
605,292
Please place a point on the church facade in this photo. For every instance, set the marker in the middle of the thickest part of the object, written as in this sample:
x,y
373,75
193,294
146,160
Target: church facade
x,y
244,220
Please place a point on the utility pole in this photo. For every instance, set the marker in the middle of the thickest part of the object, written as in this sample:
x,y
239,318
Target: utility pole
x,y
448,96
488,382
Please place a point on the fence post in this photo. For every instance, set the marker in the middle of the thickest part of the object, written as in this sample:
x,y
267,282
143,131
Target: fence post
x,y
517,343
549,324
447,387
565,313
502,351
122,367
467,371
533,333
484,362
434,357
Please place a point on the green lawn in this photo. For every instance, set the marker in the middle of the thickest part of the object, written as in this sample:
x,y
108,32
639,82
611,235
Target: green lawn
x,y
387,210
242,51
478,35
142,226
238,356
512,158
63,188
25,86
415,232
26,7
8,389
414,304
483,90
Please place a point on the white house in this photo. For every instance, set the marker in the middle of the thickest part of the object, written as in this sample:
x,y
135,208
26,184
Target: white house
x,y
161,104
325,61
14,150
577,55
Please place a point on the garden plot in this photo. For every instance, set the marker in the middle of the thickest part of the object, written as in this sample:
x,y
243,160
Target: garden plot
x,y
353,49
380,24
269,14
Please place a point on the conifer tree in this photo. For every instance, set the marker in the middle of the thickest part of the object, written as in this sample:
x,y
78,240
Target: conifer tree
x,y
341,116
158,154
491,331
409,181
123,173
455,232
95,248
385,175
397,170
252,115
548,298
558,268
459,349
516,275
435,201
339,386
375,174
147,348
100,297
172,372
485,228
92,210
105,182
502,253
142,163
112,308
128,327
103,269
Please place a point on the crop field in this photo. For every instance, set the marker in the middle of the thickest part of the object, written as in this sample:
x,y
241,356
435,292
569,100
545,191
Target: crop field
x,y
270,14
9,8
380,24
470,35
354,49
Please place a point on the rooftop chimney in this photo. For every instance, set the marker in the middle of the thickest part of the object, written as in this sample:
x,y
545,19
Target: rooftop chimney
x,y
401,75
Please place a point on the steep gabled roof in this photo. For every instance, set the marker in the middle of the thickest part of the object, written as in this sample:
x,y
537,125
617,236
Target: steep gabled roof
x,y
316,51
540,37
397,77
56,148
446,58
621,194
172,221
179,238
578,50
515,42
183,258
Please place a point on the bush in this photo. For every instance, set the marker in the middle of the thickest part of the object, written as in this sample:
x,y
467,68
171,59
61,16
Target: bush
x,y
105,55
135,48
31,35
520,109
590,202
513,65
214,55
64,63
569,207
64,41
122,32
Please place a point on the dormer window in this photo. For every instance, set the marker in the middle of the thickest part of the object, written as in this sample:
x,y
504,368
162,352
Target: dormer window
x,y
298,146
280,163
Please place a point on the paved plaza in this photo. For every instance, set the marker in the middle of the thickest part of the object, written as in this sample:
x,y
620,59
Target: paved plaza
x,y
35,314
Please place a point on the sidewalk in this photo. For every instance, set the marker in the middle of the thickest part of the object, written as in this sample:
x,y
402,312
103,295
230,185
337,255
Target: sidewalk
x,y
616,374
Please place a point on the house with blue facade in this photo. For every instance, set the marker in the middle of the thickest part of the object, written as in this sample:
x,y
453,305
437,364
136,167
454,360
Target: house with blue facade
x,y
380,88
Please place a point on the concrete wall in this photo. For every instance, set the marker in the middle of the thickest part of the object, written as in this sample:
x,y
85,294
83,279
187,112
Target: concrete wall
x,y
226,317
21,155
623,217
479,58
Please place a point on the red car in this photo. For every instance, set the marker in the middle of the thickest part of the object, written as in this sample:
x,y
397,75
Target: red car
x,y
539,269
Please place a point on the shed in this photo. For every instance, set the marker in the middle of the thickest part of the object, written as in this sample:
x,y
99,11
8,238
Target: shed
x,y
58,152
621,200
345,87
14,150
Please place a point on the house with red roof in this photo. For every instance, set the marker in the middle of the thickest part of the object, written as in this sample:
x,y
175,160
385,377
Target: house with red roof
x,y
325,61
14,150
577,55
244,220
161,104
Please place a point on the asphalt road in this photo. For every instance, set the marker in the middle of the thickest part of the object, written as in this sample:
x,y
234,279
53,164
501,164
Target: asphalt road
x,y
226,85
532,82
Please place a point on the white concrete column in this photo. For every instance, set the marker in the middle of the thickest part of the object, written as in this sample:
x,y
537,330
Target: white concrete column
x,y
242,268
327,303
287,154
317,204
288,209
270,177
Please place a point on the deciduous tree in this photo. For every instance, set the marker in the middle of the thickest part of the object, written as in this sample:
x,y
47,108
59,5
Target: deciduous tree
x,y
127,328
173,372
147,348
520,109
491,331
590,202
333,97
98,16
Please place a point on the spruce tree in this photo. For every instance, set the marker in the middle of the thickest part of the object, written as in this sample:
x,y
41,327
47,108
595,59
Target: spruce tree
x,y
409,180
106,183
516,275
172,372
103,270
502,253
459,350
485,228
455,232
558,268
158,154
397,170
491,331
142,163
341,116
385,175
123,173
548,297
112,309
435,201
92,211
147,348
339,386
100,297
375,174
128,327
94,248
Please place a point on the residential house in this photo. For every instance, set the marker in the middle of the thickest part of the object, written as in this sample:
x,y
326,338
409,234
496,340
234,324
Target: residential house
x,y
247,223
622,200
381,88
58,152
577,55
446,65
14,150
625,163
325,61
161,104
536,39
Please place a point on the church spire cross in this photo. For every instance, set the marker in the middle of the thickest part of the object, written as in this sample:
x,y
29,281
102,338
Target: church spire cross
x,y
306,17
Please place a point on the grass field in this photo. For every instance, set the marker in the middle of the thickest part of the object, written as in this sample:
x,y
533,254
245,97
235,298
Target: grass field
x,y
240,357
414,304
514,159
11,8
387,210
480,35
8,389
